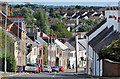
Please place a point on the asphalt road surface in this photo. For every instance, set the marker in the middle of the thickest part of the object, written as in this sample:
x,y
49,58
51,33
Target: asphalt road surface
x,y
54,75
45,75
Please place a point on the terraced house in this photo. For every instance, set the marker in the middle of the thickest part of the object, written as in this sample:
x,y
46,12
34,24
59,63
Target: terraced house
x,y
103,34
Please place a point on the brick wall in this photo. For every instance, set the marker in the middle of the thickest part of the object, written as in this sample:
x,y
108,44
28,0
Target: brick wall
x,y
111,68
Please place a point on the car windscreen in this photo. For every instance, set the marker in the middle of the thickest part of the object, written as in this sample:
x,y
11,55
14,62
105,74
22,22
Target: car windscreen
x,y
55,67
32,65
45,67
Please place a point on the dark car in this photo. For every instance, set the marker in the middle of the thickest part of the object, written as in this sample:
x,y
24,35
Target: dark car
x,y
61,68
55,69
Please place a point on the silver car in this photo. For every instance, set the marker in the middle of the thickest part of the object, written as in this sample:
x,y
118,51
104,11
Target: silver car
x,y
55,68
47,69
32,68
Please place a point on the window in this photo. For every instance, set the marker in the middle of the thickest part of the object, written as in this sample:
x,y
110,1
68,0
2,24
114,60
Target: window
x,y
40,52
34,51
70,54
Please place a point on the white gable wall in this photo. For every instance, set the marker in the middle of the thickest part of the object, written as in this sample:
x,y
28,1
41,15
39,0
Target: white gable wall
x,y
92,56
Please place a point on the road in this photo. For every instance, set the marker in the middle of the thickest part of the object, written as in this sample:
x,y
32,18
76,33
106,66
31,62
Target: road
x,y
45,75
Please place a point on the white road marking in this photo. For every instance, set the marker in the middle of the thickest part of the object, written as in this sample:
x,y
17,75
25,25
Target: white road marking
x,y
54,74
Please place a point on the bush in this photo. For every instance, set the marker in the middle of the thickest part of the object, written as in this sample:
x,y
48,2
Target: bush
x,y
11,62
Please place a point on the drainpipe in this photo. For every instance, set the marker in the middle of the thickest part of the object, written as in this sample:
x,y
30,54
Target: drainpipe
x,y
99,68
95,63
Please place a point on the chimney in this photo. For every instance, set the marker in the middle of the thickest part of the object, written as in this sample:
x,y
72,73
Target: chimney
x,y
118,19
112,8
41,34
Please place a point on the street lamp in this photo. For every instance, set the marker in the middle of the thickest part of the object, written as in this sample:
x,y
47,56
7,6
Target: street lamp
x,y
6,40
76,42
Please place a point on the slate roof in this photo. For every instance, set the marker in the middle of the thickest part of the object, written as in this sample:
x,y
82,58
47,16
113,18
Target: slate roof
x,y
70,47
62,46
96,27
112,36
40,40
100,36
68,21
82,43
70,13
30,41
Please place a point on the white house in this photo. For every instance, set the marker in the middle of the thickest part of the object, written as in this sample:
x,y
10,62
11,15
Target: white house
x,y
103,34
82,44
71,55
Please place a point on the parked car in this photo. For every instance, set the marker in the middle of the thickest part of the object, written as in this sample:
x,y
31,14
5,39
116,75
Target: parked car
x,y
42,68
61,68
47,69
39,67
32,67
55,68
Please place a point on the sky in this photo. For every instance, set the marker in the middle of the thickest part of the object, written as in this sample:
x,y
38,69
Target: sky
x,y
60,0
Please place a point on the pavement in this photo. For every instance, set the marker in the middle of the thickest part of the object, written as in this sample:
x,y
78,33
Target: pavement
x,y
10,74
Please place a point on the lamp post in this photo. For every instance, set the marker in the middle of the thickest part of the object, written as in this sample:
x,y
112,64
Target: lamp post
x,y
6,40
76,42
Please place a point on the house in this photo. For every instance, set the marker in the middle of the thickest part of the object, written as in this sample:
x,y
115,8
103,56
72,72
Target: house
x,y
32,51
71,55
63,15
63,54
82,44
76,18
20,33
3,8
70,14
81,55
103,34
68,22
52,47
34,35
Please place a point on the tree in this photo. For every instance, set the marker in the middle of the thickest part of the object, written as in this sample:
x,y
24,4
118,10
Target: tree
x,y
89,21
90,24
45,54
55,15
42,20
60,30
112,52
27,13
78,7
11,62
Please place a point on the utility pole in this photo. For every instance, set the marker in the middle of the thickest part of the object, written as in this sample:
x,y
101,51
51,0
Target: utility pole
x,y
6,40
76,43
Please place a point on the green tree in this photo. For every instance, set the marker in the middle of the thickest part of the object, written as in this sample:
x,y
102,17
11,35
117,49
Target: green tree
x,y
60,30
55,15
42,20
11,62
90,24
45,55
90,21
27,13
112,52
